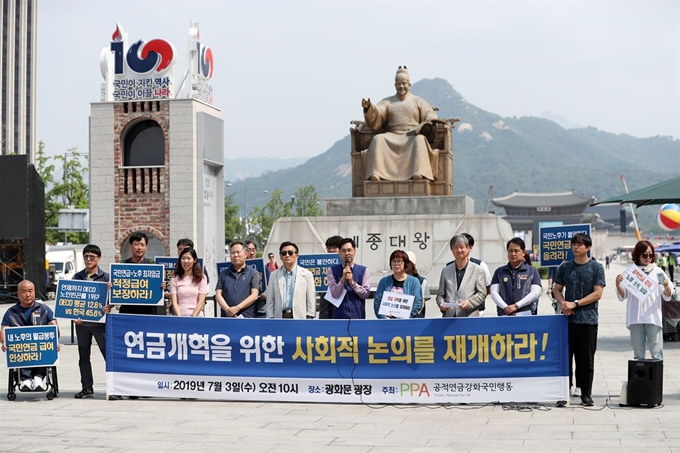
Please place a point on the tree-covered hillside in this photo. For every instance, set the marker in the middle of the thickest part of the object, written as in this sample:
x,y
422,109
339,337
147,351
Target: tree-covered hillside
x,y
526,154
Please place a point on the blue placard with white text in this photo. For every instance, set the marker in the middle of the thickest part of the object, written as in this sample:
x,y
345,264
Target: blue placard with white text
x,y
137,284
424,361
255,263
31,346
81,299
555,243
318,264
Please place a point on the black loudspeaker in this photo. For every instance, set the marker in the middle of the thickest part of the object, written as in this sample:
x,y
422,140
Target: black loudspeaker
x,y
22,225
645,382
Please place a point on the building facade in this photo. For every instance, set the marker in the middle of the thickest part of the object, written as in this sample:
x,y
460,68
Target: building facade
x,y
526,212
18,65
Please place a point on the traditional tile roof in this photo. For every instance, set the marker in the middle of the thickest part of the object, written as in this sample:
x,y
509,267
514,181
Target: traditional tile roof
x,y
553,200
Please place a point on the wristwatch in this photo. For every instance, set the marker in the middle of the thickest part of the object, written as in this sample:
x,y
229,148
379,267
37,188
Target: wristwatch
x,y
576,302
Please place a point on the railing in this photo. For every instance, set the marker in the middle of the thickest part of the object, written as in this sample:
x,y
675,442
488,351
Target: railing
x,y
142,179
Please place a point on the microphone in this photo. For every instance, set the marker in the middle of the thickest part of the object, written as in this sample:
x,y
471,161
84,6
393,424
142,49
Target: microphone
x,y
346,262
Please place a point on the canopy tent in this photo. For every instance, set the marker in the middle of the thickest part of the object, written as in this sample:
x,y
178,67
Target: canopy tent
x,y
661,193
668,248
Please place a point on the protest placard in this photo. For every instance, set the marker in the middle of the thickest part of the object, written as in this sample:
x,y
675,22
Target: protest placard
x,y
555,243
318,264
81,299
31,346
638,283
137,284
396,305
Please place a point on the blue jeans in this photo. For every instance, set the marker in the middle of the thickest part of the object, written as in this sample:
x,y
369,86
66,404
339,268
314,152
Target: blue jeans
x,y
649,334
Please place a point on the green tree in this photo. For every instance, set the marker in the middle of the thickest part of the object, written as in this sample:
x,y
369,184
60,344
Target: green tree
x,y
69,192
262,218
232,222
305,203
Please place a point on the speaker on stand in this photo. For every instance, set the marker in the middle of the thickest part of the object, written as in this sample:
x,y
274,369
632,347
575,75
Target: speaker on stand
x,y
645,382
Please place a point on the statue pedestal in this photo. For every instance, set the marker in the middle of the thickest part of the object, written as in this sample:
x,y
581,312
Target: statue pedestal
x,y
405,188
400,205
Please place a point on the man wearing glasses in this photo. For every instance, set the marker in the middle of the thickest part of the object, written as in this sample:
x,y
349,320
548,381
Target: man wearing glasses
x,y
351,281
291,292
87,330
584,281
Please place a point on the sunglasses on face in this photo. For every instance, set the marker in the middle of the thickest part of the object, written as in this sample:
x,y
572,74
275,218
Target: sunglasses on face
x,y
288,252
90,257
647,255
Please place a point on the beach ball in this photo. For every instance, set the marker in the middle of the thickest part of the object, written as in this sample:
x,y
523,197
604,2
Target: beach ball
x,y
669,217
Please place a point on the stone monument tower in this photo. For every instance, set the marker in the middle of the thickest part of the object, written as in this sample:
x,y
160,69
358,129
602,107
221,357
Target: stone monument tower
x,y
156,151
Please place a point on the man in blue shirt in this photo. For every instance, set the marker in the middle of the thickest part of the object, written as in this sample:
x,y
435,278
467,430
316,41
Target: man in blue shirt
x,y
584,281
28,312
238,286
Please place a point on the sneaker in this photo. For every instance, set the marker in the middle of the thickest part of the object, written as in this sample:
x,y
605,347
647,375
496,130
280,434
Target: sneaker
x,y
89,393
26,385
39,384
576,391
587,401
115,397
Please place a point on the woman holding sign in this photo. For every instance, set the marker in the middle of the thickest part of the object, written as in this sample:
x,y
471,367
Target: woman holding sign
x,y
188,286
395,285
643,314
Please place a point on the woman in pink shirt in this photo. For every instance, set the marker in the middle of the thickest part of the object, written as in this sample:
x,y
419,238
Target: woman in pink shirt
x,y
188,286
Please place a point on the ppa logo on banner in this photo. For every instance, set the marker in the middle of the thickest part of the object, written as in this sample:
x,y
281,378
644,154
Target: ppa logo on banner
x,y
141,58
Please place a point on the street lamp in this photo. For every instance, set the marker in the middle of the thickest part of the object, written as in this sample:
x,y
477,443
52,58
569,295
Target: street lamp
x,y
80,215
245,218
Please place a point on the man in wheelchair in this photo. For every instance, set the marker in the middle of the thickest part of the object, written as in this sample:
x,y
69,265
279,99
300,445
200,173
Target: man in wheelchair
x,y
28,312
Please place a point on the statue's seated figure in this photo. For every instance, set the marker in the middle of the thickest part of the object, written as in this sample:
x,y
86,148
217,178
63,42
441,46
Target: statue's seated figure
x,y
399,138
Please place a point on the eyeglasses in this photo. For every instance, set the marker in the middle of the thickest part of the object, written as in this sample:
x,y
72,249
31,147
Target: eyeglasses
x,y
647,255
90,257
397,262
288,252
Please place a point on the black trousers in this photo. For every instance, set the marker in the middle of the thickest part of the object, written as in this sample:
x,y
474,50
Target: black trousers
x,y
325,308
582,346
85,334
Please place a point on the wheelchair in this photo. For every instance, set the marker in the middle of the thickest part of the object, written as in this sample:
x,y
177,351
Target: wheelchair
x,y
51,382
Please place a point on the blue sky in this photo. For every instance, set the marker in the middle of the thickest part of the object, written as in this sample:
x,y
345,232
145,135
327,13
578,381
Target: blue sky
x,y
289,76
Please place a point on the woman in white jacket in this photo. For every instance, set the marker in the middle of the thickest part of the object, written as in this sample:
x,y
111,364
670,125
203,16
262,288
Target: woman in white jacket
x,y
643,317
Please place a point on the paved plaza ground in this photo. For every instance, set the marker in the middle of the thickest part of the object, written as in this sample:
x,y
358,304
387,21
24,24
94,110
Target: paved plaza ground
x,y
33,424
